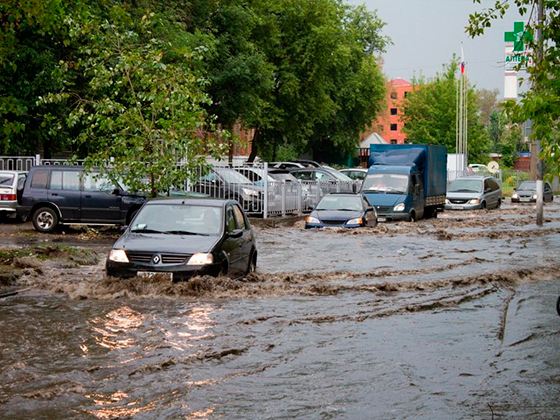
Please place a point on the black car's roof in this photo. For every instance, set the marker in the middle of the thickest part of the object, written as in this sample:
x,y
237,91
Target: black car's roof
x,y
213,202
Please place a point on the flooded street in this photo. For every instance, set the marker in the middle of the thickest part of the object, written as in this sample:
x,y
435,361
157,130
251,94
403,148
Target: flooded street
x,y
445,318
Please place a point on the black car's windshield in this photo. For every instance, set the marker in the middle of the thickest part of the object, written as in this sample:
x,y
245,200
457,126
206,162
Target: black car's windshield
x,y
387,183
340,202
527,186
6,180
179,219
465,185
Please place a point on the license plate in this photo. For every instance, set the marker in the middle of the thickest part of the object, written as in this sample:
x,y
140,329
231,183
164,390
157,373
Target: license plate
x,y
381,219
153,274
524,199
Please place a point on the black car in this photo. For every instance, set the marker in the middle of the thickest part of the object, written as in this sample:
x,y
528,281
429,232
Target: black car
x,y
526,192
342,210
61,195
181,238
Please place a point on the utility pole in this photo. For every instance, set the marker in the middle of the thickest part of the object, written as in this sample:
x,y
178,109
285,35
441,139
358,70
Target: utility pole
x,y
540,166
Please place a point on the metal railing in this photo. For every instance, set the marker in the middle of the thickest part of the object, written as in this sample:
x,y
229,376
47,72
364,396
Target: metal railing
x,y
253,186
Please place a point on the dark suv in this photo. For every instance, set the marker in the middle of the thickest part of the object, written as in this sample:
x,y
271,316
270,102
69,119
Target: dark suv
x,y
55,195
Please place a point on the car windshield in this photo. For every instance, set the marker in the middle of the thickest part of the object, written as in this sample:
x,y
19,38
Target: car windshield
x,y
180,219
233,177
465,185
389,183
338,175
6,180
527,186
340,202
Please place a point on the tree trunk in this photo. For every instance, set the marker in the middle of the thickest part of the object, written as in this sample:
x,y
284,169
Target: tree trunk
x,y
254,146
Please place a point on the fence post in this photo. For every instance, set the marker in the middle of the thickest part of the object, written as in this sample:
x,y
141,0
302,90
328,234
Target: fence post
x,y
37,159
299,188
283,198
265,192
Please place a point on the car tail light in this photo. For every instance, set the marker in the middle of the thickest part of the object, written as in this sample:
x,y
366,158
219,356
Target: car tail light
x,y
7,197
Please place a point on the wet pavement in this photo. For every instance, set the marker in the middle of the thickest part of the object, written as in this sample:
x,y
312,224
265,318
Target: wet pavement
x,y
445,318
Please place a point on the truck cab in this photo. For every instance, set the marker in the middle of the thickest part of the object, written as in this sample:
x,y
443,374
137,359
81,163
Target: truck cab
x,y
396,192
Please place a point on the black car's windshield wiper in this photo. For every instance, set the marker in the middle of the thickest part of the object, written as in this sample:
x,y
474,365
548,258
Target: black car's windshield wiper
x,y
185,232
145,230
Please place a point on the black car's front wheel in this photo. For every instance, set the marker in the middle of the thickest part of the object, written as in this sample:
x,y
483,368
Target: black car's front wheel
x,y
45,219
252,264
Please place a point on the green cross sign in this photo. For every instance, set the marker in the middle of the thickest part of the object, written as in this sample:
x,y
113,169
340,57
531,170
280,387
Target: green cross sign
x,y
519,36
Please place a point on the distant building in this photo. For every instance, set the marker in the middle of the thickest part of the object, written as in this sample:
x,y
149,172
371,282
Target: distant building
x,y
388,124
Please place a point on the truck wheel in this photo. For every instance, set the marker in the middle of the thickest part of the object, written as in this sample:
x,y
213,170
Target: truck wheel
x,y
45,219
412,217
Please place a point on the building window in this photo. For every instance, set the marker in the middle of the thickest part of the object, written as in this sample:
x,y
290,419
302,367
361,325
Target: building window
x,y
393,127
393,95
393,111
393,141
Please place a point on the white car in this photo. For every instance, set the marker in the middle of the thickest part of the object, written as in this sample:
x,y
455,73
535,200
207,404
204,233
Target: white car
x,y
10,183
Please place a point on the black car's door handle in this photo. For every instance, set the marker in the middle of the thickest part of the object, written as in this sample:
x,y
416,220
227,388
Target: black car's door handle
x,y
87,196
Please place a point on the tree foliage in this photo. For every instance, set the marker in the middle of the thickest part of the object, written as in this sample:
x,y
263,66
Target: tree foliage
x,y
153,79
541,103
430,114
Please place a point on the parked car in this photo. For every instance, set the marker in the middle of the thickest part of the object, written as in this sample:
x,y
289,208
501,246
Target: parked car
x,y
226,183
329,180
11,187
286,165
473,192
526,192
342,210
357,174
284,190
64,195
179,238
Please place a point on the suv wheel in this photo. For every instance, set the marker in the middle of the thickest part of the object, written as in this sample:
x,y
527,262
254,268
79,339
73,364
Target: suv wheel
x,y
45,219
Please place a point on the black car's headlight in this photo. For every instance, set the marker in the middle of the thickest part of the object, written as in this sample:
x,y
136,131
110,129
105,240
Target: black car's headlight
x,y
118,255
356,221
201,258
313,220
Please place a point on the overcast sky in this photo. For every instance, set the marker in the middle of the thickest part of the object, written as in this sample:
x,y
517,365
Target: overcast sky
x,y
426,33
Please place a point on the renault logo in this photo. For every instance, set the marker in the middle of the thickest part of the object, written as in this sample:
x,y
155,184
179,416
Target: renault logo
x,y
156,259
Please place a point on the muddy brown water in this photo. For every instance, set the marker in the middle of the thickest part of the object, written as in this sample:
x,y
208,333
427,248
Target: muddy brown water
x,y
445,318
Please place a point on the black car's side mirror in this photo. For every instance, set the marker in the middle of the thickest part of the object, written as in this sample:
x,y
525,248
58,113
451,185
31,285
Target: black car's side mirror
x,y
235,233
116,191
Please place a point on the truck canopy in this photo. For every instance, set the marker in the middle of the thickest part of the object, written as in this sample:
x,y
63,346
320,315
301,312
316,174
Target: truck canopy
x,y
430,160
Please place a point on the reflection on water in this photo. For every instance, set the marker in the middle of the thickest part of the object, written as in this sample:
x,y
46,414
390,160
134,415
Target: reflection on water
x,y
114,329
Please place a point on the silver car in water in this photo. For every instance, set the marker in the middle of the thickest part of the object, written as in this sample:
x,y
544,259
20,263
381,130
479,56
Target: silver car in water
x,y
473,192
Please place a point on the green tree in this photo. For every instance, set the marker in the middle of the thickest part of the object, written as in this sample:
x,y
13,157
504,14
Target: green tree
x,y
430,115
326,83
32,41
541,104
136,101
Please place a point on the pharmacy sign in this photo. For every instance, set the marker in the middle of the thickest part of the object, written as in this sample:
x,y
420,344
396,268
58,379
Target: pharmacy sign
x,y
517,52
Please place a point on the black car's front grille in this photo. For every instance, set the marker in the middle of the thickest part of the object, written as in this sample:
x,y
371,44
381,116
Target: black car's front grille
x,y
457,201
333,222
165,258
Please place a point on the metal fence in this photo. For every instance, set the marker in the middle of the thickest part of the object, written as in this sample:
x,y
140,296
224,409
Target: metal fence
x,y
260,190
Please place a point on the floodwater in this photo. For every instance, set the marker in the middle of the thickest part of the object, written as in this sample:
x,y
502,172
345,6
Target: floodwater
x,y
447,318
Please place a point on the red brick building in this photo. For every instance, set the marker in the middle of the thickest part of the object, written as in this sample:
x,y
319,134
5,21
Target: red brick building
x,y
388,124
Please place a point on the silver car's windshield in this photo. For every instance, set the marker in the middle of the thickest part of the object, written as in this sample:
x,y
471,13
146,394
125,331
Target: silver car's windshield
x,y
527,186
179,219
465,185
340,202
387,183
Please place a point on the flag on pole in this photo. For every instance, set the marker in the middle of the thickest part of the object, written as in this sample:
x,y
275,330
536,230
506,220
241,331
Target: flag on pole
x,y
462,65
